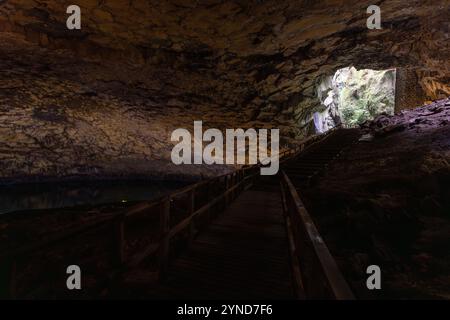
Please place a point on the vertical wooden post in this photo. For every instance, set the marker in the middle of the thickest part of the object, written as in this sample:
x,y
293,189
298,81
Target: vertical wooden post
x,y
12,279
233,183
208,198
238,180
164,246
223,189
241,180
238,190
120,240
191,209
227,187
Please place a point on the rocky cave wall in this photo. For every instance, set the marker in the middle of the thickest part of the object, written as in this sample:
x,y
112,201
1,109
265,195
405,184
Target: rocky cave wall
x,y
408,91
106,98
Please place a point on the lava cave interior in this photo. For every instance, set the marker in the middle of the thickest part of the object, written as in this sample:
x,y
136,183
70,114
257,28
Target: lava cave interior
x,y
86,118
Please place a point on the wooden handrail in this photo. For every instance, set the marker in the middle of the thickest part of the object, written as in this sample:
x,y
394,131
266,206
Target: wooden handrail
x,y
235,182
320,275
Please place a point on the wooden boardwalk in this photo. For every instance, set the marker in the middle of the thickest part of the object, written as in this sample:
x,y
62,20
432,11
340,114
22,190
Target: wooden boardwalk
x,y
243,254
246,238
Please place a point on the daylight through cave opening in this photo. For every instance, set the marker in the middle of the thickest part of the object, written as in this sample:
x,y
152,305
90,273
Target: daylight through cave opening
x,y
351,97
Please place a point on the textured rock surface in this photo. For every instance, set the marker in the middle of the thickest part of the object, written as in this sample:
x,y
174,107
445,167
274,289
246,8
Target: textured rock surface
x,y
387,202
353,96
105,99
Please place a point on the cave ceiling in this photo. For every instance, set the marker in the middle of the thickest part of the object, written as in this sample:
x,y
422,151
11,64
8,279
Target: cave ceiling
x,y
137,69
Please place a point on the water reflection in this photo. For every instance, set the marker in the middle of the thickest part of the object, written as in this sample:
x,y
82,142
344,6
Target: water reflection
x,y
69,194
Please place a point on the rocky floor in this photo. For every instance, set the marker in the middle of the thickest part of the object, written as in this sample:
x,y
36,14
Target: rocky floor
x,y
386,202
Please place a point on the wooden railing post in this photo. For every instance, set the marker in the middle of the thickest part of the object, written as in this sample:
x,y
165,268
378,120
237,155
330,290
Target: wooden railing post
x,y
12,279
241,179
120,239
223,203
233,193
191,209
208,198
227,187
164,246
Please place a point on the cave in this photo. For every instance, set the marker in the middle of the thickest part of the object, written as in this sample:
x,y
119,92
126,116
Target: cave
x,y
334,182
351,97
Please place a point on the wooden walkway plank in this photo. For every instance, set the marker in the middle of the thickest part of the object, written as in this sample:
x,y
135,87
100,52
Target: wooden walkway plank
x,y
243,254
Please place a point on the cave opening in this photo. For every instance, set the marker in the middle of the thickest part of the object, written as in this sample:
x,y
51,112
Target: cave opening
x,y
350,97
